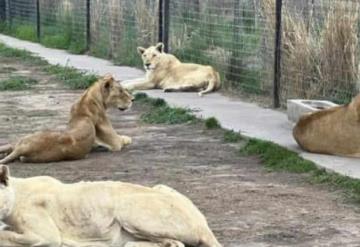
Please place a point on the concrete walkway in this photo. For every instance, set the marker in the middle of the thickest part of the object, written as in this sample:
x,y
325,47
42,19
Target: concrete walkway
x,y
250,119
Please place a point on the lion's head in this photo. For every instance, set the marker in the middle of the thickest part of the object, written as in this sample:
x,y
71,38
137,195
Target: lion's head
x,y
114,95
7,195
151,56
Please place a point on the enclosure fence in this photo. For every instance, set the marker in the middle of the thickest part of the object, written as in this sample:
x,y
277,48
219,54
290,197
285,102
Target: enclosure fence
x,y
267,50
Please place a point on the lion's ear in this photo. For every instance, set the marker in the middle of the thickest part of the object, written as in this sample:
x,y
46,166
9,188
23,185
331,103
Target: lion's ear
x,y
160,47
141,50
108,82
4,175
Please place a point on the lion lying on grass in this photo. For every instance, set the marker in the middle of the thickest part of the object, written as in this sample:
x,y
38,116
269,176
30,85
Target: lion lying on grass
x,y
332,131
165,71
88,125
42,211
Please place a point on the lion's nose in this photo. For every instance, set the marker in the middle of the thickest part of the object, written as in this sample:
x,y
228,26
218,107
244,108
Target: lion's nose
x,y
147,64
133,99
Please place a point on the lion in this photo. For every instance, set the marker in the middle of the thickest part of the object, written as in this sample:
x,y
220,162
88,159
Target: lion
x,y
88,125
165,71
331,131
42,211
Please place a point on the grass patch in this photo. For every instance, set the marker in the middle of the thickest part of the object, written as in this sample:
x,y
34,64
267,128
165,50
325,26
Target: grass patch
x,y
26,32
72,77
277,158
16,83
212,123
231,136
58,41
22,55
161,113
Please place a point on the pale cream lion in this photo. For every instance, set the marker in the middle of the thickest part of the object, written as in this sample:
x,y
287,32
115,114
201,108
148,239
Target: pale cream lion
x,y
332,131
165,71
88,125
42,211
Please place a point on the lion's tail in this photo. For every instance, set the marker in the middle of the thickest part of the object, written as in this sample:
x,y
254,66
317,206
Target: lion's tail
x,y
214,84
6,148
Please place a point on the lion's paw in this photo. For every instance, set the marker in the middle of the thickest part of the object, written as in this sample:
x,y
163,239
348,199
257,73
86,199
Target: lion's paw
x,y
126,140
172,243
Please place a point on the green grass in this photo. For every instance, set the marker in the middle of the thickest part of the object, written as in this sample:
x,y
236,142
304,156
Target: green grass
x,y
16,83
72,77
277,158
58,41
22,55
212,123
160,113
231,136
26,32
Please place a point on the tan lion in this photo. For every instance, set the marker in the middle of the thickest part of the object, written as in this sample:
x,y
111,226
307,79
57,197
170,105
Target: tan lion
x,y
88,125
332,131
165,71
42,211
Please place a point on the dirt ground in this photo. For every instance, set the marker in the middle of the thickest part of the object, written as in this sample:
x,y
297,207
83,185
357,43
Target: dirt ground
x,y
244,204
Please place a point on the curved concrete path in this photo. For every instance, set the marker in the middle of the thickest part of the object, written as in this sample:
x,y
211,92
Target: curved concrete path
x,y
250,119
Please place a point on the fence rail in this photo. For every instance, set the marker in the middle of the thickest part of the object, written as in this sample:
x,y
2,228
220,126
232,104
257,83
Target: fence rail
x,y
268,50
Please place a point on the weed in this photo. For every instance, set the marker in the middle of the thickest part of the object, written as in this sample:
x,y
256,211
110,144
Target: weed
x,y
168,115
26,32
277,158
232,136
72,77
15,83
23,55
212,123
161,113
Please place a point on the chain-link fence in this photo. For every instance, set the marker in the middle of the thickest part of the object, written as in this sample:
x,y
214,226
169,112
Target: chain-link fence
x,y
315,55
320,51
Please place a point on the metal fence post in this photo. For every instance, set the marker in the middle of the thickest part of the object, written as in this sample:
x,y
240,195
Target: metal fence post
x,y
88,21
8,12
164,22
277,61
161,20
38,24
3,10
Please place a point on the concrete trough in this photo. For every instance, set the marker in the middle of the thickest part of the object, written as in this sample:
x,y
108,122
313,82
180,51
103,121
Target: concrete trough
x,y
298,107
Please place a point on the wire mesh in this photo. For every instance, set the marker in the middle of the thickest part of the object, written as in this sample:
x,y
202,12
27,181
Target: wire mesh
x,y
63,24
320,52
21,18
320,48
118,27
231,35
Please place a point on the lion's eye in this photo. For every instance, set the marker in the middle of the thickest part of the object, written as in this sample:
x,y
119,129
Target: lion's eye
x,y
154,55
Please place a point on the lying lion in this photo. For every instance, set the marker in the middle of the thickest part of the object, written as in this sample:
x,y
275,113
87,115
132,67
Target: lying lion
x,y
165,71
88,125
42,211
332,131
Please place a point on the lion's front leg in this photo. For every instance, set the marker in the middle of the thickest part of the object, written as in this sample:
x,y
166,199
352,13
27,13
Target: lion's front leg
x,y
138,84
108,137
